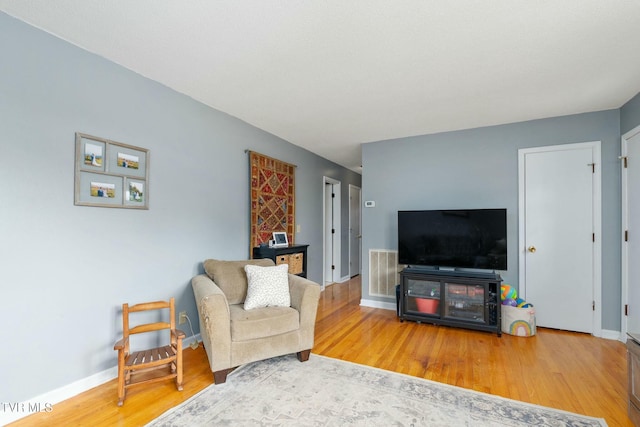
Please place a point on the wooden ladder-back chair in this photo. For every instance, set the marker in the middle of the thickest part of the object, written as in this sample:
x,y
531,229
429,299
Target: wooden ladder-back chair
x,y
167,357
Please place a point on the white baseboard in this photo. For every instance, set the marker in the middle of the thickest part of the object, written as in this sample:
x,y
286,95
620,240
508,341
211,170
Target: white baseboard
x,y
378,304
12,411
343,279
612,335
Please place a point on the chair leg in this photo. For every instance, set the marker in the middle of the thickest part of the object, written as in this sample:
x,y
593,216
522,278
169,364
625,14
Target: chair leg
x,y
178,366
179,377
303,355
220,377
121,374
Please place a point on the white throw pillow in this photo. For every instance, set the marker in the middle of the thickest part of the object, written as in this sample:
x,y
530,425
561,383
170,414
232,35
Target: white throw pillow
x,y
267,286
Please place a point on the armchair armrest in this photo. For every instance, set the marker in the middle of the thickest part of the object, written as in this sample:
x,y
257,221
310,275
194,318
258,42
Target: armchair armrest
x,y
305,295
215,321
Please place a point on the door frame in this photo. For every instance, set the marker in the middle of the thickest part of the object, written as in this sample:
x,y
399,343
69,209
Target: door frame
x,y
337,239
597,221
624,264
353,189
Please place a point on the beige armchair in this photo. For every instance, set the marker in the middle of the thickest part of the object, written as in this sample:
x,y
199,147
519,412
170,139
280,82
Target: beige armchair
x,y
233,336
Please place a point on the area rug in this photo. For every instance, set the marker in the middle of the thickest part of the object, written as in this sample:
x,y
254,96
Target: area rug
x,y
329,392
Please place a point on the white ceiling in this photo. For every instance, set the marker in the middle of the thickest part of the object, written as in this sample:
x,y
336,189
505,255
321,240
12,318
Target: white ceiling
x,y
329,75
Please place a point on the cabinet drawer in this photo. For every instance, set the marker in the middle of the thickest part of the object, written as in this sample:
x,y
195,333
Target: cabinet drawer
x,y
295,263
282,259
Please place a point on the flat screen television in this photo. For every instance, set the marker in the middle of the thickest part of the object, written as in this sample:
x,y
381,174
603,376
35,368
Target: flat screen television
x,y
461,238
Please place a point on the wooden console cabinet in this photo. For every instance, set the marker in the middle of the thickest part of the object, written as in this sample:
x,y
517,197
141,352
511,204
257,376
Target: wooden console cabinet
x,y
453,298
293,255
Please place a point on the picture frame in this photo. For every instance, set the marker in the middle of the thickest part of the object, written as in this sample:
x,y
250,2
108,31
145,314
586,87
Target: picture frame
x,y
135,193
110,174
280,239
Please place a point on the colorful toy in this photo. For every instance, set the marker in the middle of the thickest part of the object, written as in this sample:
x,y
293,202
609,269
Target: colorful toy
x,y
508,292
509,296
520,303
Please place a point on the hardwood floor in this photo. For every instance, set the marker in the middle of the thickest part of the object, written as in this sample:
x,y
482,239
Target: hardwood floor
x,y
564,370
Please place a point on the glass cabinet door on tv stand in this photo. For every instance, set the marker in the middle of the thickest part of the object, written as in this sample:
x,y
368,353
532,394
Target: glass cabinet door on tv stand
x,y
453,298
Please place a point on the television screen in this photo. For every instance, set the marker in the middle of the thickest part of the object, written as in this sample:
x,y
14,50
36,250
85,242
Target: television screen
x,y
469,238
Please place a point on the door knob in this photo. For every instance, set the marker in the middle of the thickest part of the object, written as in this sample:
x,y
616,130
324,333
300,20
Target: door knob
x,y
532,249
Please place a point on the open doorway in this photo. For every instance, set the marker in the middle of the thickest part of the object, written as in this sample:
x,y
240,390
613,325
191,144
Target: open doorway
x,y
331,231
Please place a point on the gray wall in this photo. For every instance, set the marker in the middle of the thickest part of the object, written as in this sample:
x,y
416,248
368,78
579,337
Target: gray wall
x,y
478,168
65,270
630,114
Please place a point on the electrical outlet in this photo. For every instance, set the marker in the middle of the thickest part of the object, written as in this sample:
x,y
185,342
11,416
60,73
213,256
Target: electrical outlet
x,y
182,318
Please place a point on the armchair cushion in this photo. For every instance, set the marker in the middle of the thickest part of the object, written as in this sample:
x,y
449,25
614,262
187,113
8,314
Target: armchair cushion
x,y
231,278
262,322
267,286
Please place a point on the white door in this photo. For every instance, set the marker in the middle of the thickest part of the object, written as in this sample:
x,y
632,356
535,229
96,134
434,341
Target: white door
x,y
631,227
332,235
557,234
355,237
329,233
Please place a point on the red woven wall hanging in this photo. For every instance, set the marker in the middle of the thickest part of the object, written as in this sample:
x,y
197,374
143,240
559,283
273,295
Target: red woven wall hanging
x,y
272,198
